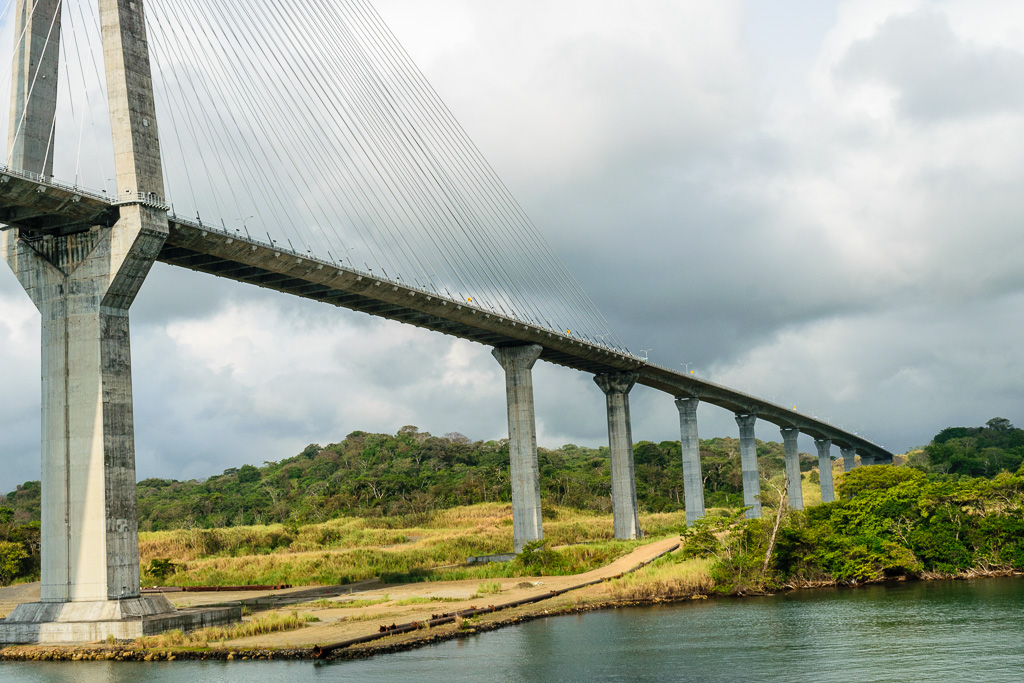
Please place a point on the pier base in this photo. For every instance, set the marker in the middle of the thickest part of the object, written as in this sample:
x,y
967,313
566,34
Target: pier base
x,y
87,622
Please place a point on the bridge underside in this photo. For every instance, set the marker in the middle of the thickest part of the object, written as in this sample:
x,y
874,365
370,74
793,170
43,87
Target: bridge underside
x,y
40,209
272,269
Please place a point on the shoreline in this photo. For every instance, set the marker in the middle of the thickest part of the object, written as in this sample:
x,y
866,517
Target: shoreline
x,y
423,637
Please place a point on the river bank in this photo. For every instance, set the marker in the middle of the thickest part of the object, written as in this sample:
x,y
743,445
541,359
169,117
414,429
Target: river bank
x,y
420,602
340,613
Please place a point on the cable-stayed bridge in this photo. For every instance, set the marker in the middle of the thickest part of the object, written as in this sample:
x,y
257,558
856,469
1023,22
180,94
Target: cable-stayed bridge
x,y
314,130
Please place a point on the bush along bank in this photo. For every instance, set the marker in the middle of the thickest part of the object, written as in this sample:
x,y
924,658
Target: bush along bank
x,y
889,522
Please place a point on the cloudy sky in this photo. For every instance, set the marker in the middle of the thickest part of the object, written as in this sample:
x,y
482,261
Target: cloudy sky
x,y
813,201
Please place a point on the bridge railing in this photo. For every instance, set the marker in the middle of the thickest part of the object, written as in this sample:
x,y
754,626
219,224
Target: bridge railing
x,y
48,180
276,246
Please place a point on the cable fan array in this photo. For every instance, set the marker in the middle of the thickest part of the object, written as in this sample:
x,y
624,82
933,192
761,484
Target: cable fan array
x,y
314,128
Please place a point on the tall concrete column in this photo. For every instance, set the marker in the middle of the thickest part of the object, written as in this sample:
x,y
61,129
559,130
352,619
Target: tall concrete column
x,y
866,460
825,469
748,460
34,86
848,458
796,493
616,387
693,479
518,362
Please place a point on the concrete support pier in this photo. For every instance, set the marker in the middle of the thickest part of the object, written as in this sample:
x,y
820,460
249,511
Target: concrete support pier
x,y
693,478
83,279
518,361
748,460
848,458
866,460
796,493
616,387
825,469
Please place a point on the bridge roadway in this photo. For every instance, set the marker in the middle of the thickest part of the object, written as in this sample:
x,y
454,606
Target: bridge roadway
x,y
42,207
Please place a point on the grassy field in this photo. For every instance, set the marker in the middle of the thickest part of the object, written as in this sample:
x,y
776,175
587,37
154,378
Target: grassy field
x,y
433,546
422,547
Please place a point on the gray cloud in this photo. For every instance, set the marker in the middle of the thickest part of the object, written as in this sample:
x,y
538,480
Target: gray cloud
x,y
857,261
936,74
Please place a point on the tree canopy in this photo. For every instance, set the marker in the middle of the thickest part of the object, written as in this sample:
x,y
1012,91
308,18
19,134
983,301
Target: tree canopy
x,y
975,451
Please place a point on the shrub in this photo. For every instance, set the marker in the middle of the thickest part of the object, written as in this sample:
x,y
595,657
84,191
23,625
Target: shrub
x,y
161,568
12,561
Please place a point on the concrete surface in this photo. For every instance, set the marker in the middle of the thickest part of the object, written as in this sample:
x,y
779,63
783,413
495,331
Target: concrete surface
x,y
748,461
693,478
616,387
518,362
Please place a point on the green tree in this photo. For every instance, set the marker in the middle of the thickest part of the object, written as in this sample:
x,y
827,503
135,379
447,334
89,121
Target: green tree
x,y
13,557
248,474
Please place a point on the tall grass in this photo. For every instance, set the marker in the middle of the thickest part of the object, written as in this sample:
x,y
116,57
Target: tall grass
x,y
268,623
668,577
428,546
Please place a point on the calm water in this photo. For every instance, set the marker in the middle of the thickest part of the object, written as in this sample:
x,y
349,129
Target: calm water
x,y
956,631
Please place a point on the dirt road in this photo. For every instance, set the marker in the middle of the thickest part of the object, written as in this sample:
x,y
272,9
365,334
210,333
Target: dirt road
x,y
338,622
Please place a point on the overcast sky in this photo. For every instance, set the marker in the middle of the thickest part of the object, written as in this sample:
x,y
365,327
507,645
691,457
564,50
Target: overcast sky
x,y
817,202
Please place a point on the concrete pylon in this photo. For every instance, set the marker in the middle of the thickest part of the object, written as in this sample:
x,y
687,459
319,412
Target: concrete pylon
x,y
616,387
518,361
83,285
693,478
748,461
866,460
796,493
34,86
825,469
848,458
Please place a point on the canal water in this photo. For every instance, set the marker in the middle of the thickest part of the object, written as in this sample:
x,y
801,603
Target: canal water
x,y
948,630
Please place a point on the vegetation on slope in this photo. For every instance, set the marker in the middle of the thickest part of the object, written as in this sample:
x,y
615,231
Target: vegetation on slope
x,y
376,504
973,451
889,522
412,472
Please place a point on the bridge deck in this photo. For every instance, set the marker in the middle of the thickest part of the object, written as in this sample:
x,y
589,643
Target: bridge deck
x,y
40,208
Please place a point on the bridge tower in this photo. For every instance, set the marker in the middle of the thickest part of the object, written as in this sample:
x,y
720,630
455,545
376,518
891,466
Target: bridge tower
x,y
83,279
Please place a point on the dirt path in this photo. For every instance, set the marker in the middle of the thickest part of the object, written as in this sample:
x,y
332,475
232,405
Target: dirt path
x,y
380,604
340,623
